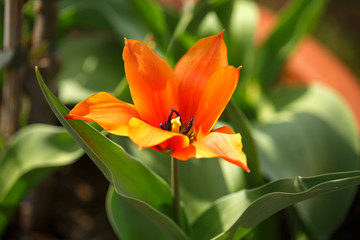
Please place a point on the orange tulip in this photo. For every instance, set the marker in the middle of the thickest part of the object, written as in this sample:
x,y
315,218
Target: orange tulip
x,y
173,109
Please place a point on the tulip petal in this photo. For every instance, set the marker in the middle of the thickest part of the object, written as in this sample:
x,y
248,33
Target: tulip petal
x,y
109,112
222,142
152,82
145,136
194,69
217,93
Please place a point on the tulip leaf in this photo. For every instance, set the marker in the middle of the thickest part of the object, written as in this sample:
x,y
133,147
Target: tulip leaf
x,y
223,177
242,126
145,190
127,221
240,30
194,175
32,153
242,210
294,23
311,132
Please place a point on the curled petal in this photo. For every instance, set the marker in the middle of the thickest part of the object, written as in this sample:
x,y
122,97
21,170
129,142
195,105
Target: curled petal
x,y
194,69
152,82
146,136
109,112
222,142
217,93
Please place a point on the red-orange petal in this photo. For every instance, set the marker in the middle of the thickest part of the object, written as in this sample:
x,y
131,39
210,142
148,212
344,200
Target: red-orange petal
x,y
217,93
152,82
222,142
109,112
146,136
195,68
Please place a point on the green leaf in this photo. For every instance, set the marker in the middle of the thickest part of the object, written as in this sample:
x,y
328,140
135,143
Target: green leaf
x,y
310,132
242,126
127,221
238,212
151,14
33,152
294,23
130,178
239,33
96,66
119,17
194,175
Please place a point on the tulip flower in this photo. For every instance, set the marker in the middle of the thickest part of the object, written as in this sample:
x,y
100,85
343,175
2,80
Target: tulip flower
x,y
174,109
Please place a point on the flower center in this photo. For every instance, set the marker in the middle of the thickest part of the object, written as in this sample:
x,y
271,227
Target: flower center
x,y
175,125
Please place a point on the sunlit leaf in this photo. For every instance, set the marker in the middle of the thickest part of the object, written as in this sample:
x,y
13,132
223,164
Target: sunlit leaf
x,y
311,132
245,209
127,221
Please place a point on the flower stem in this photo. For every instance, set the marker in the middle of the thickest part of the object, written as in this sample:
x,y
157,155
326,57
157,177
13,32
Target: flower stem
x,y
175,189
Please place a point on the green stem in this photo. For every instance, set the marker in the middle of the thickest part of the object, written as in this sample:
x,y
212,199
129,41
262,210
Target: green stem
x,y
175,189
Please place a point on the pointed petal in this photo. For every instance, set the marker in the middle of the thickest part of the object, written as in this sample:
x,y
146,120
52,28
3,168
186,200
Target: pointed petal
x,y
222,142
109,112
194,69
145,136
152,82
216,95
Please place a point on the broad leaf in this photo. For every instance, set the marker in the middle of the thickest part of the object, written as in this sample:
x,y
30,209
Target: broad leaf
x,y
236,213
128,222
34,152
311,132
131,179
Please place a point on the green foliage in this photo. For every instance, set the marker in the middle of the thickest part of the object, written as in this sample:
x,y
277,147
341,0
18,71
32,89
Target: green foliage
x,y
300,138
96,58
33,153
246,208
295,22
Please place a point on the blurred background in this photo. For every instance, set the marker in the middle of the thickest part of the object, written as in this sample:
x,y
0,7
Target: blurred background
x,y
77,45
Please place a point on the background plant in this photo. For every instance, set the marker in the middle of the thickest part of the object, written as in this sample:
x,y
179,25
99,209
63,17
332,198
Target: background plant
x,y
287,132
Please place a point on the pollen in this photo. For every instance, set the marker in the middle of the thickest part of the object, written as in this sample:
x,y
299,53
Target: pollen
x,y
175,124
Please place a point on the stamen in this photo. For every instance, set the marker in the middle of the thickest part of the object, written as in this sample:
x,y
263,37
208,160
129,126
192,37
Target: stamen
x,y
167,125
189,126
175,124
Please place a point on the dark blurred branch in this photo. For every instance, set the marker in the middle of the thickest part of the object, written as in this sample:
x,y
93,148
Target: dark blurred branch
x,y
12,80
43,55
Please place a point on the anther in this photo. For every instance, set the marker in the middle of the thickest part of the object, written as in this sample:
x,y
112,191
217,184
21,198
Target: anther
x,y
189,126
167,125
